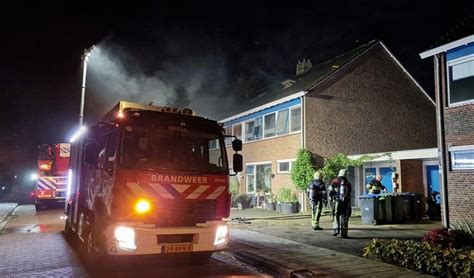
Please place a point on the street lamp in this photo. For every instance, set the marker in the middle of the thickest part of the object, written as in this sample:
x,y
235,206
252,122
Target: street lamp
x,y
85,58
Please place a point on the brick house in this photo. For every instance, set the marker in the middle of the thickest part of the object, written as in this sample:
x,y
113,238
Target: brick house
x,y
361,102
453,58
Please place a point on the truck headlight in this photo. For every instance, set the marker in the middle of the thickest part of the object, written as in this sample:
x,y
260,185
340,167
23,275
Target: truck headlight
x,y
221,235
125,237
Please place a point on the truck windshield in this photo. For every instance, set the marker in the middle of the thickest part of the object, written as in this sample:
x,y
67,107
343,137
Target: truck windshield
x,y
172,148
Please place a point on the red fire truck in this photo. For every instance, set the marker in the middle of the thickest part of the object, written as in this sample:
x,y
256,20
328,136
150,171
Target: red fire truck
x,y
53,164
150,180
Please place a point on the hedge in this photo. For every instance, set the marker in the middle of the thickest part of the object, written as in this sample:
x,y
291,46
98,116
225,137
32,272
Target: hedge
x,y
422,257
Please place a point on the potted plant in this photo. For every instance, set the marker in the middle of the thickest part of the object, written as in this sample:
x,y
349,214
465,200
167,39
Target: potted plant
x,y
277,204
270,201
288,200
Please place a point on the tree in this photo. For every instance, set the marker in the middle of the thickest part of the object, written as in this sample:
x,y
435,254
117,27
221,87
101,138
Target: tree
x,y
303,171
340,161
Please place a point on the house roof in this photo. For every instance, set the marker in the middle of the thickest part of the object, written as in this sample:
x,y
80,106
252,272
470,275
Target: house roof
x,y
461,34
297,84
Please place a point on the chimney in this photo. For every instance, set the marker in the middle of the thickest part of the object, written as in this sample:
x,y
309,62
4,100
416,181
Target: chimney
x,y
303,66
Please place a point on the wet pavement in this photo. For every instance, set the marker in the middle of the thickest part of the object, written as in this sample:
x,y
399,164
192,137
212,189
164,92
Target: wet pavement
x,y
297,227
32,244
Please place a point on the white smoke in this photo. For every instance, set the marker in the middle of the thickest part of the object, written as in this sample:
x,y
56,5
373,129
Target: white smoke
x,y
115,74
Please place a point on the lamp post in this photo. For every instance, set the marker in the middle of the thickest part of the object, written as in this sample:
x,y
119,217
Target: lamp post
x,y
85,58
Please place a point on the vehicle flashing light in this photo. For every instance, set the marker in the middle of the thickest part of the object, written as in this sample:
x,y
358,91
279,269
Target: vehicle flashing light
x,y
142,206
77,134
120,114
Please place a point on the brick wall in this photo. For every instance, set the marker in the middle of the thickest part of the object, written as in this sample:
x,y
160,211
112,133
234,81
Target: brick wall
x,y
459,124
461,196
370,106
459,131
411,173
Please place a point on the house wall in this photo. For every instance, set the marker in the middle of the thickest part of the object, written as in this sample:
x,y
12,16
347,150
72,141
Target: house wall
x,y
458,131
369,106
273,149
411,176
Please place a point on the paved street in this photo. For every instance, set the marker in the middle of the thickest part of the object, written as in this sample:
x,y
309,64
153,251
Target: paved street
x,y
32,244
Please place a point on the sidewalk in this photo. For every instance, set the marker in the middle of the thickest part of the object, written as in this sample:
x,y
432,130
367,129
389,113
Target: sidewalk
x,y
288,244
287,258
297,227
5,209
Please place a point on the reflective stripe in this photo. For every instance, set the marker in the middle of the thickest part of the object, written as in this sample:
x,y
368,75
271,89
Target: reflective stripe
x,y
137,190
160,190
216,193
181,187
201,189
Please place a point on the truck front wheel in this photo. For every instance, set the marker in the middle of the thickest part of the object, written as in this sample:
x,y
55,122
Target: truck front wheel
x,y
93,256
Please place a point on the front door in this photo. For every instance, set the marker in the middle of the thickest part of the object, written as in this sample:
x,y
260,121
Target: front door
x,y
432,180
386,173
369,175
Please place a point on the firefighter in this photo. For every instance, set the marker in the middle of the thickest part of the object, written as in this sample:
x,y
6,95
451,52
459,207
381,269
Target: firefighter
x,y
340,194
316,195
376,186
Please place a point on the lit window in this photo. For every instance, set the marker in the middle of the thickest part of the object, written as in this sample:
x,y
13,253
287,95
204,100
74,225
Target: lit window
x,y
295,119
282,122
214,144
238,131
461,81
462,159
269,125
250,174
253,129
228,140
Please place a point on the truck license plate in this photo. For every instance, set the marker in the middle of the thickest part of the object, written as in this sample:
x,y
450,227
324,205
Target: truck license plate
x,y
178,248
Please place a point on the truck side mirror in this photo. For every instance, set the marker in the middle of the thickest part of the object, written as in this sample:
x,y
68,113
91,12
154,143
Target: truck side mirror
x,y
237,145
237,163
91,154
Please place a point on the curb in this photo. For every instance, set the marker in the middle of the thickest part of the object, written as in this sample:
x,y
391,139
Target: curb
x,y
9,212
274,268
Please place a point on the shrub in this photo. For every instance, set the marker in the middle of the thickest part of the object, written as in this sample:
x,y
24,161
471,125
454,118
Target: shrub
x,y
285,195
466,227
302,172
340,161
422,257
234,187
447,238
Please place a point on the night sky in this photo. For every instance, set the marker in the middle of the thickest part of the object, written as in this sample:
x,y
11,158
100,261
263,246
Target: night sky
x,y
206,57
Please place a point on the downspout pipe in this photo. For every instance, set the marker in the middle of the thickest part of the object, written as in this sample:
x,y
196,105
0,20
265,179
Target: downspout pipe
x,y
302,144
439,62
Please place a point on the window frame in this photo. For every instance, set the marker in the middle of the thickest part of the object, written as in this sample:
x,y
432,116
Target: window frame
x,y
448,85
460,149
289,118
228,140
290,166
264,124
247,174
